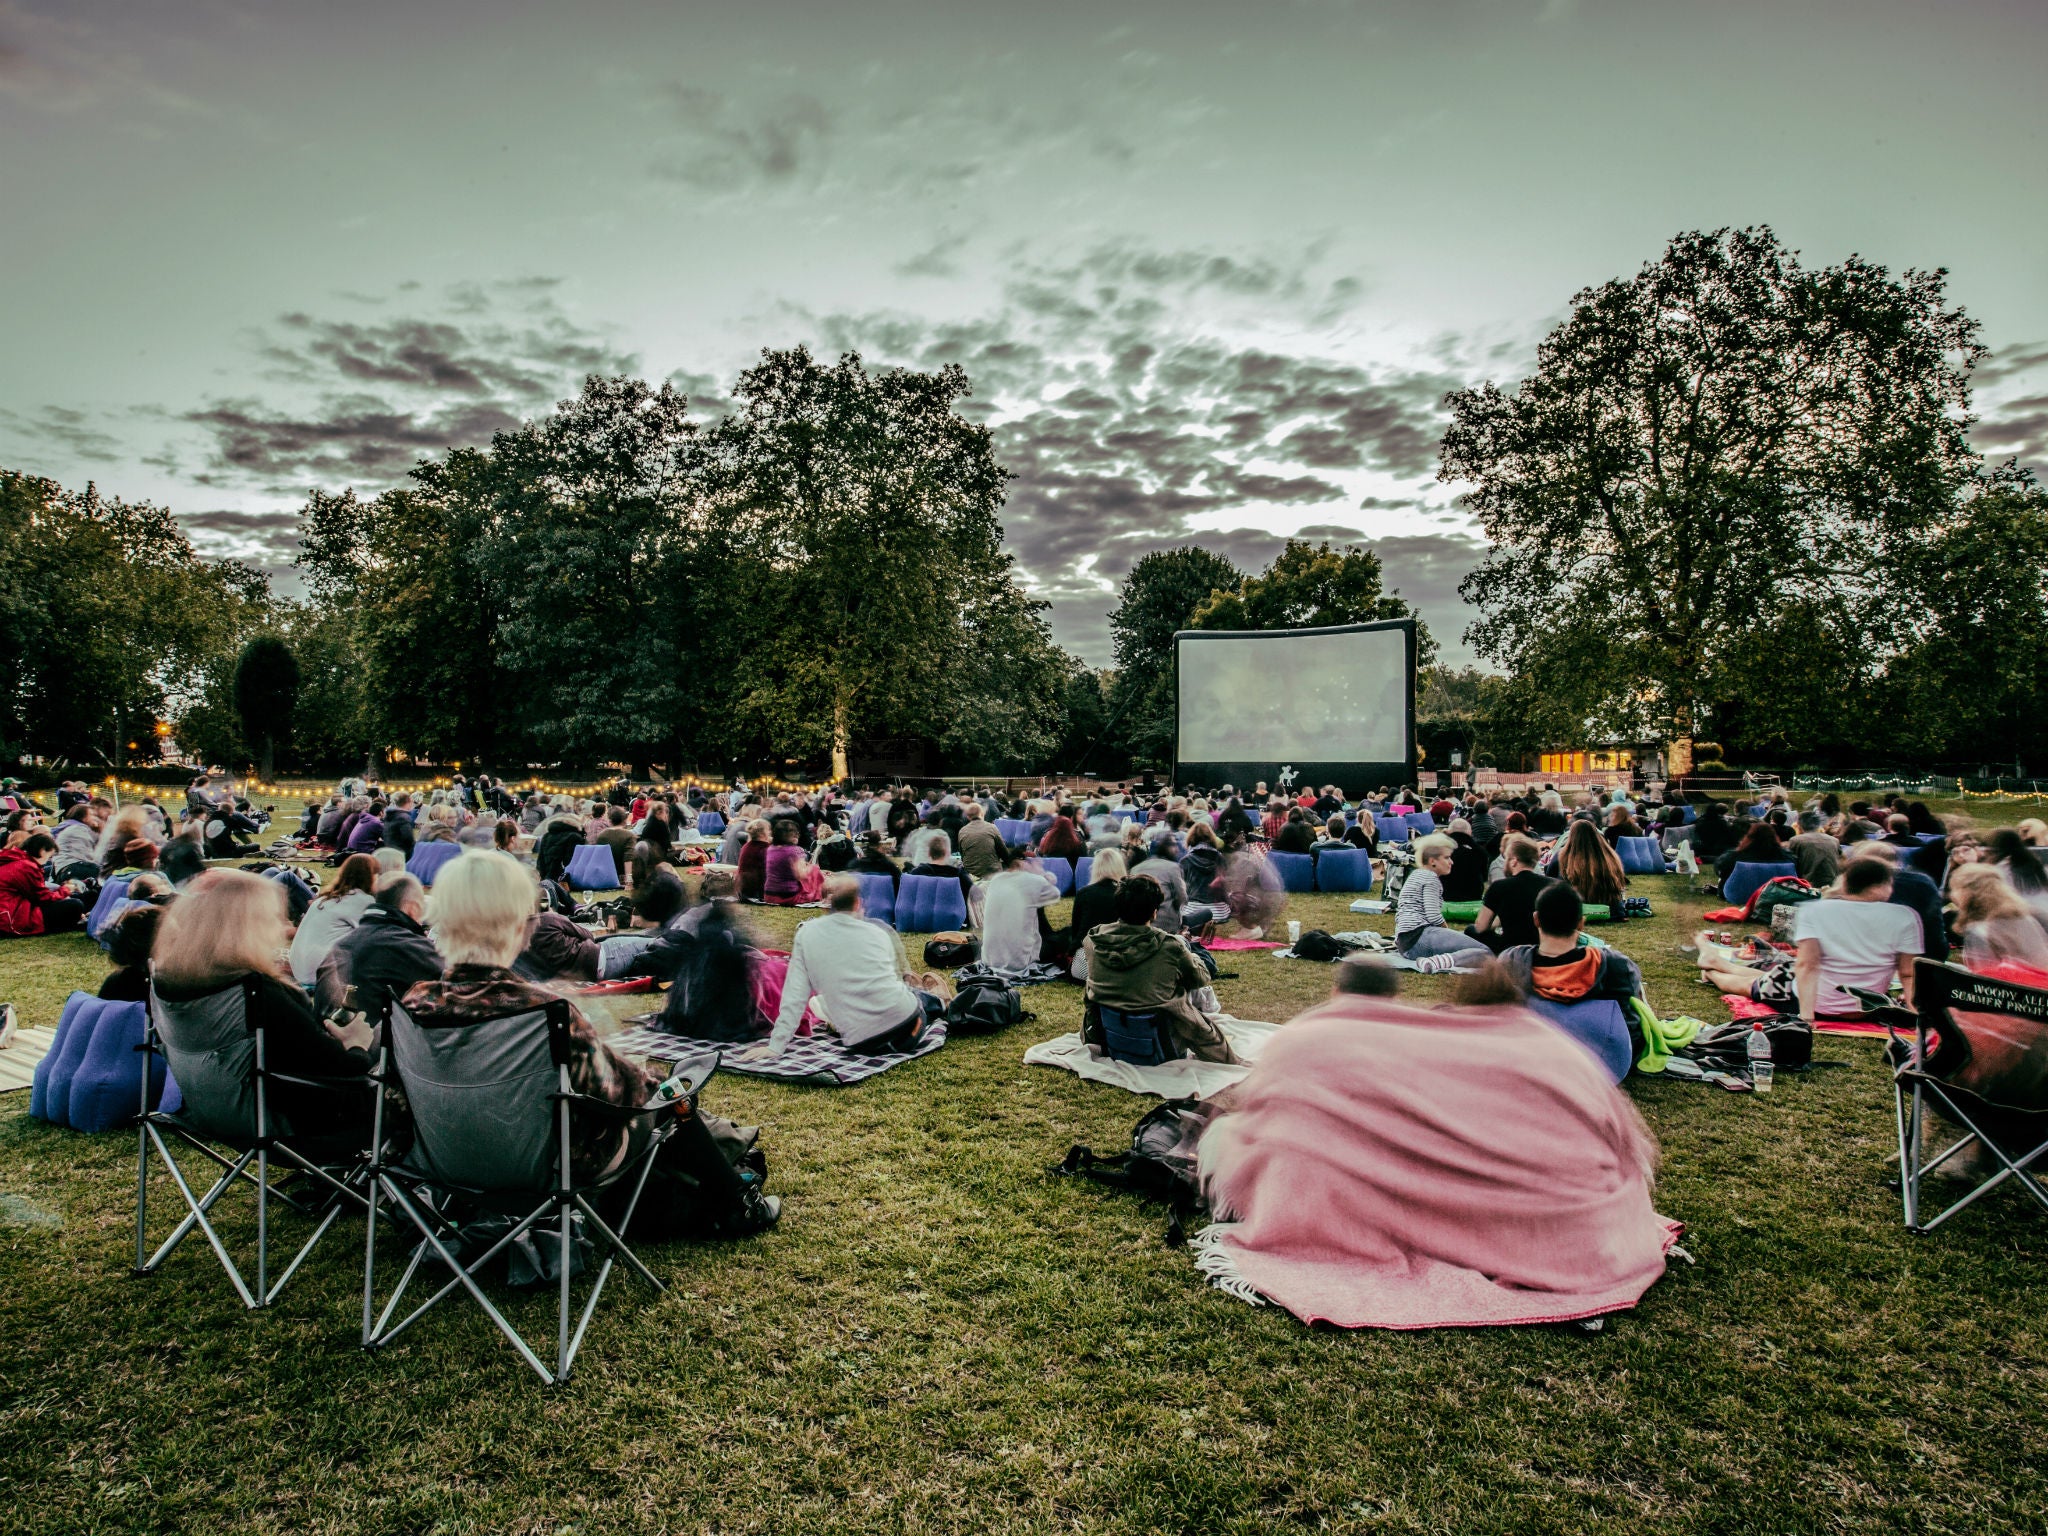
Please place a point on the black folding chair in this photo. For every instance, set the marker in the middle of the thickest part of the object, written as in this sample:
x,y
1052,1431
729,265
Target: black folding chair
x,y
219,1057
491,1102
1978,1057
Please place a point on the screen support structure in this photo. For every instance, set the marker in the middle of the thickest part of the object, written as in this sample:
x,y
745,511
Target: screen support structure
x,y
1355,776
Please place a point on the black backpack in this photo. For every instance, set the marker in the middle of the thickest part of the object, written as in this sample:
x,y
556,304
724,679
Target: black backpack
x,y
1725,1047
1160,1165
1318,945
984,1007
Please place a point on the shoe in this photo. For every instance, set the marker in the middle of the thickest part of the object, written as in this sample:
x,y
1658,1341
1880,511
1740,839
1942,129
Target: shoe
x,y
757,1213
8,1023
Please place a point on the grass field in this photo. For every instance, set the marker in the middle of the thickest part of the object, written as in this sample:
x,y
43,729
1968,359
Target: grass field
x,y
941,1337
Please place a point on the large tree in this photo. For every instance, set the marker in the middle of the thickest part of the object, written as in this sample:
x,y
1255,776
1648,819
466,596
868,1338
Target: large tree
x,y
876,578
1310,586
266,693
1723,440
1160,596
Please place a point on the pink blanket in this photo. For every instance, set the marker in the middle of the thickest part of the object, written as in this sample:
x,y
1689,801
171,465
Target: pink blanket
x,y
1396,1167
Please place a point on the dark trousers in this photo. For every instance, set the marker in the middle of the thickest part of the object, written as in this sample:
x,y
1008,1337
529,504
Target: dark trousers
x,y
904,1036
62,916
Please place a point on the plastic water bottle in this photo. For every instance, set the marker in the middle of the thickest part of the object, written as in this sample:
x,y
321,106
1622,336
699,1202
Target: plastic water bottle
x,y
1759,1058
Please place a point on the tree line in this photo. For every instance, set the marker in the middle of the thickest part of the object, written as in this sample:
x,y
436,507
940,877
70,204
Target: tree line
x,y
1734,499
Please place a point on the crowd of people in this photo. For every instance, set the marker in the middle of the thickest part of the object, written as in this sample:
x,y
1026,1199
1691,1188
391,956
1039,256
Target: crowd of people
x,y
1167,870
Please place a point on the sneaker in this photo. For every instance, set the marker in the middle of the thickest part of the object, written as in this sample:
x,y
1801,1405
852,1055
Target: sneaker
x,y
757,1213
8,1023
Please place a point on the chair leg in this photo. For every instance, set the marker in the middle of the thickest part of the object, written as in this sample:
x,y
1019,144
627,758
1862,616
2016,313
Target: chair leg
x,y
465,1279
370,1257
262,1225
198,1209
562,1305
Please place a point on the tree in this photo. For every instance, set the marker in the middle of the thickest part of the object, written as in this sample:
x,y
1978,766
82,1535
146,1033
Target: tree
x,y
1970,684
1310,586
1159,597
266,690
1702,449
867,505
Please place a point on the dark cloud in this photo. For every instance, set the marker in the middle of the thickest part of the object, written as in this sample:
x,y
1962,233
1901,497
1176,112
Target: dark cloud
x,y
267,541
727,146
376,396
2021,358
2017,429
70,431
939,259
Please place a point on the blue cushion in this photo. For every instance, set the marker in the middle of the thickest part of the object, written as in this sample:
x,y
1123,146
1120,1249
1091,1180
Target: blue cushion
x,y
1421,823
1135,1038
427,859
591,868
1746,879
1640,855
39,1084
1344,869
1125,815
1597,1024
930,904
1015,829
1084,872
1691,815
106,1090
878,897
1392,829
1062,872
74,1038
111,896
710,823
1297,871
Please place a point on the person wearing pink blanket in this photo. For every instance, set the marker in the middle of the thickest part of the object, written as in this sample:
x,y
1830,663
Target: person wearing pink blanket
x,y
1388,1166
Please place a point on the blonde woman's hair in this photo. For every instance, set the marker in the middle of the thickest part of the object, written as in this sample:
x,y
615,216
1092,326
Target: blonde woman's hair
x,y
2033,829
1108,865
480,903
226,924
123,827
1982,893
1427,848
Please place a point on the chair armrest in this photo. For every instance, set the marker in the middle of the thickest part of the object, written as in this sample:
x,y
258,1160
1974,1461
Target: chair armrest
x,y
608,1107
337,1083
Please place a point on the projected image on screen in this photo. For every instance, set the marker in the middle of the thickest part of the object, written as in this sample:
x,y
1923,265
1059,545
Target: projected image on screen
x,y
1319,697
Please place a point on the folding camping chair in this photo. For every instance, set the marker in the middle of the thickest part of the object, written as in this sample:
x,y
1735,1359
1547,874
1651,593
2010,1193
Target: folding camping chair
x,y
219,1058
490,1102
1978,1055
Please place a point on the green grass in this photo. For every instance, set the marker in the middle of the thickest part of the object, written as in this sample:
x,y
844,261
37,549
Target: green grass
x,y
941,1337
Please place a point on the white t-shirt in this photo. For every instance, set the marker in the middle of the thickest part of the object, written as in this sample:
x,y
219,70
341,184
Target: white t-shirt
x,y
1860,944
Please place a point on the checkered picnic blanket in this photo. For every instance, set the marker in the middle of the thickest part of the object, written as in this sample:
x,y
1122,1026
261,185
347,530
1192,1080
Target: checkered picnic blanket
x,y
815,1058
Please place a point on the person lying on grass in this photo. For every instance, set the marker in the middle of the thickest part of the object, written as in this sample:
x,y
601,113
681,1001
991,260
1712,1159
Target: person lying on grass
x,y
1855,938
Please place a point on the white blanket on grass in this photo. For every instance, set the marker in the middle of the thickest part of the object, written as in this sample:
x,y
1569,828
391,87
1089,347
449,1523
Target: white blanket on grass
x,y
1183,1079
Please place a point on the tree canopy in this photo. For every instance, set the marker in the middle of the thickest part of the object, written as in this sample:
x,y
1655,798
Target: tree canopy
x,y
1727,444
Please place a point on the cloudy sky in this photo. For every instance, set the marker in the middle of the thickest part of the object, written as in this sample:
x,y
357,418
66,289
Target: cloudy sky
x,y
1211,267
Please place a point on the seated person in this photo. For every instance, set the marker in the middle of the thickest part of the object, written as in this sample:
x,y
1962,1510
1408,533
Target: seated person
x,y
979,842
1563,965
788,878
130,937
1673,828
1760,845
78,836
1336,834
938,862
1921,896
1815,855
1354,1222
1856,939
873,861
483,903
1009,909
1419,929
1470,865
1134,968
29,903
1585,862
1994,924
334,912
753,860
851,964
1201,869
1507,914
1094,907
1620,824
835,851
385,953
1296,836
229,929
1158,864
1062,841
618,837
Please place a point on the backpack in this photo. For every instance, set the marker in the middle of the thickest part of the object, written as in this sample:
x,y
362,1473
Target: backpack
x,y
946,950
1160,1164
983,1007
1726,1046
1318,945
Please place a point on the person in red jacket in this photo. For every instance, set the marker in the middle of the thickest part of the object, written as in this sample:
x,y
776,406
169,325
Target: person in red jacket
x,y
29,904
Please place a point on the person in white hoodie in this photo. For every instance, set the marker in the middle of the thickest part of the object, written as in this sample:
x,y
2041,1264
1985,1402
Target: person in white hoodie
x,y
334,912
851,965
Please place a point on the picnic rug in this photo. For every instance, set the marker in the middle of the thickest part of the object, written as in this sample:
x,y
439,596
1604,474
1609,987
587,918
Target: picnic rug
x,y
815,1058
1183,1079
18,1062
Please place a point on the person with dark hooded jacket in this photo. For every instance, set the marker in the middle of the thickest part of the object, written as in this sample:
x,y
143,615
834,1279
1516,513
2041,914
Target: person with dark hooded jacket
x,y
1134,968
386,952
558,839
1202,868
